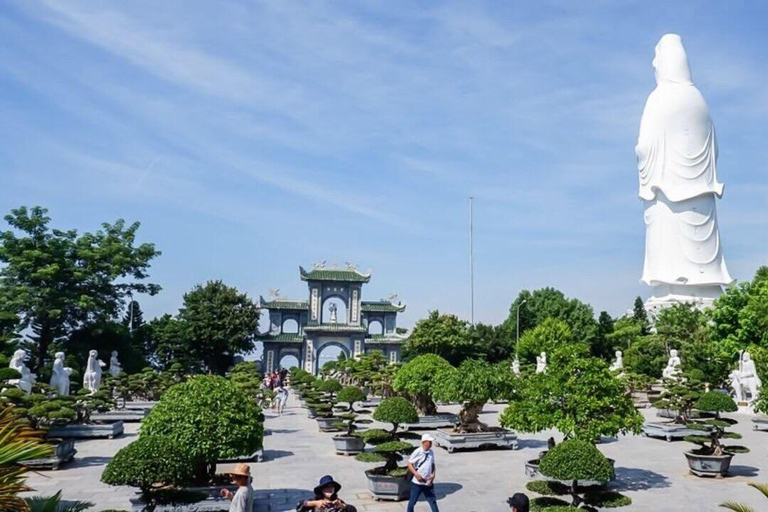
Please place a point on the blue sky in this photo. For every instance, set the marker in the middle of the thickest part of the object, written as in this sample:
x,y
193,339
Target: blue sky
x,y
251,137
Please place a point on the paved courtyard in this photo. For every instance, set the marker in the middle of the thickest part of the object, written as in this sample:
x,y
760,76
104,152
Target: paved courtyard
x,y
652,472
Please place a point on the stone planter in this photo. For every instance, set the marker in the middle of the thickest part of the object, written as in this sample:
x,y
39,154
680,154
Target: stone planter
x,y
327,424
140,405
671,414
670,431
311,413
63,452
760,423
257,456
709,465
433,422
124,415
212,501
348,445
385,487
108,430
496,437
532,471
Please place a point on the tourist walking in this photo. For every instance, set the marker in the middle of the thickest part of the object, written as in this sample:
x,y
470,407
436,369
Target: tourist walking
x,y
421,465
242,500
281,399
518,503
326,498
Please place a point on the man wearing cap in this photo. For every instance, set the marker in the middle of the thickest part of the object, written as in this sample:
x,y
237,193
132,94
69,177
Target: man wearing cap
x,y
242,500
518,503
421,464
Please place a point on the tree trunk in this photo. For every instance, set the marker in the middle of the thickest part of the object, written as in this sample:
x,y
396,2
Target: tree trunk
x,y
424,404
469,418
575,493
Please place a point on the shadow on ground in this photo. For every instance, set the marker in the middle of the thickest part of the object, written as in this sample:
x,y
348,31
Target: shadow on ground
x,y
276,454
84,462
636,479
748,471
525,444
445,489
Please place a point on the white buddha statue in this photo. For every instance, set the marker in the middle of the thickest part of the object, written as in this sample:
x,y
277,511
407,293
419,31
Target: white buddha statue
x,y
92,376
114,364
541,363
60,375
677,163
516,367
27,377
618,364
745,379
672,371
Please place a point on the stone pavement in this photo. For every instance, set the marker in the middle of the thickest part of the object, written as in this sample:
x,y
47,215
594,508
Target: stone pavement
x,y
652,472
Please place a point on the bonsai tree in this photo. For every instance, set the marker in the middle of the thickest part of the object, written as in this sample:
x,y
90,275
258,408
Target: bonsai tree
x,y
351,395
473,384
681,395
711,443
247,379
716,402
41,411
575,460
578,395
151,463
330,387
388,446
211,419
417,380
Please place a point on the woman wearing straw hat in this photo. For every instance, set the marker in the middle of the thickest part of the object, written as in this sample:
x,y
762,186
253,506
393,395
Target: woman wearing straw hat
x,y
326,498
242,500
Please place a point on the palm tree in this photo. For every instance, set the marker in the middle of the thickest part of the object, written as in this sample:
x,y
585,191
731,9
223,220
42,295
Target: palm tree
x,y
740,507
54,504
18,442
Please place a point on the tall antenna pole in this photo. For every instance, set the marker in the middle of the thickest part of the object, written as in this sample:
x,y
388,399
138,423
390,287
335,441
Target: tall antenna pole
x,y
471,262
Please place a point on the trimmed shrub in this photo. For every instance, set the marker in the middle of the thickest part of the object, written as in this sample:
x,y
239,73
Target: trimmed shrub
x,y
389,449
396,410
418,379
716,402
575,460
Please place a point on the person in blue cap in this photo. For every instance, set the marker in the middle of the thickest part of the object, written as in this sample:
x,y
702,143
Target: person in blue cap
x,y
326,498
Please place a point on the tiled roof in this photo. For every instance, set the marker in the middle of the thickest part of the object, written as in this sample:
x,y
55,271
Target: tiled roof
x,y
293,305
382,306
334,328
285,337
334,274
382,339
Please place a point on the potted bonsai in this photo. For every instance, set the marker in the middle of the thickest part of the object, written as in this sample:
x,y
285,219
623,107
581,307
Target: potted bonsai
x,y
212,419
712,458
326,421
390,481
677,402
349,442
159,466
584,400
417,380
473,384
574,467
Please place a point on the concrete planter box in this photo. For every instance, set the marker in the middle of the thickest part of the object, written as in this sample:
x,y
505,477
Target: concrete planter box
x,y
497,437
670,431
212,501
442,420
64,451
709,465
327,424
671,414
108,430
384,487
257,456
760,423
124,415
140,405
532,471
348,445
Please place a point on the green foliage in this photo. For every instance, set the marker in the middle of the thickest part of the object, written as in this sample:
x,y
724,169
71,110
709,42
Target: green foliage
x,y
680,395
714,401
444,335
210,417
418,378
645,355
578,396
491,343
330,386
640,316
740,507
607,499
547,303
547,337
150,463
221,323
389,447
547,487
171,343
603,346
55,504
7,374
246,378
350,395
54,280
396,410
549,504
575,459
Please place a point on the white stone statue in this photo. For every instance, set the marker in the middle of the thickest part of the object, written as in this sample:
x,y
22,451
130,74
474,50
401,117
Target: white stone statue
x,y
332,310
516,367
618,364
92,377
672,371
745,379
677,163
27,377
541,363
60,376
114,364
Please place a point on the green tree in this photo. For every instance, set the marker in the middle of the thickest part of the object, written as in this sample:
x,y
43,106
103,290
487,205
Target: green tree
x,y
221,323
418,378
105,336
444,335
640,315
545,337
603,344
491,343
551,303
169,342
647,356
55,281
575,460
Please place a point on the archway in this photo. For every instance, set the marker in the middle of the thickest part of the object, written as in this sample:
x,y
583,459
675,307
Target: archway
x,y
330,352
288,361
375,327
290,326
334,310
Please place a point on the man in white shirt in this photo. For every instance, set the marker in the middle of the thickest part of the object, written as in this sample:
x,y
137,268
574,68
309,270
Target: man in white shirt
x,y
242,500
421,465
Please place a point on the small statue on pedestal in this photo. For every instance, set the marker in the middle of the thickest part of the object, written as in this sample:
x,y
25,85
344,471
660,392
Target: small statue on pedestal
x,y
516,367
27,377
332,310
541,363
114,364
92,377
60,376
672,371
618,364
745,379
